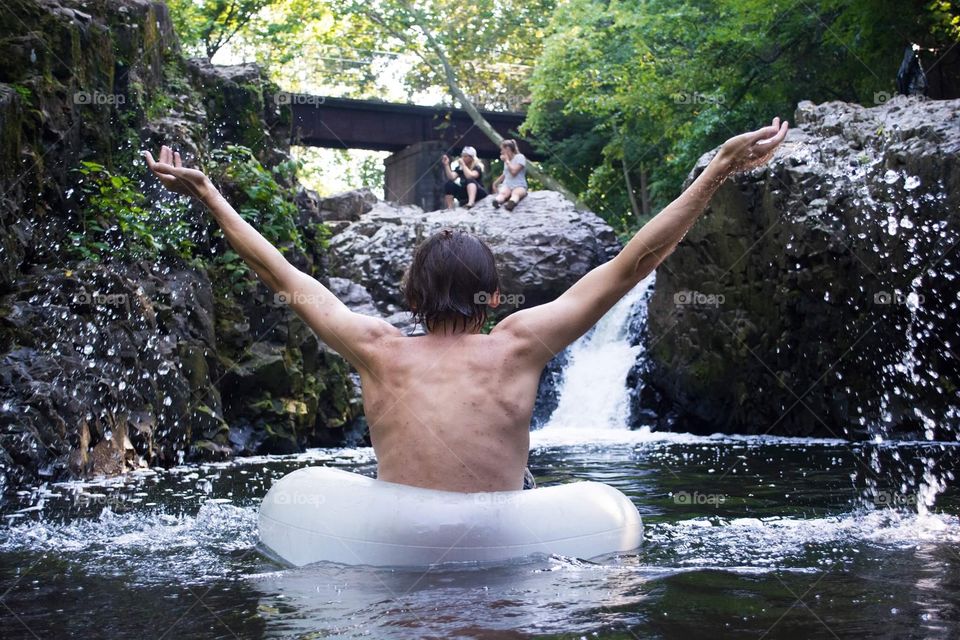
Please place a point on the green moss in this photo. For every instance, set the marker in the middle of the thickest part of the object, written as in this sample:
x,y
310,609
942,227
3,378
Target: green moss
x,y
26,94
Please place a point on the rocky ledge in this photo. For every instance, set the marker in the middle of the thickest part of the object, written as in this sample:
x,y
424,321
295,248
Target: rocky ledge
x,y
818,295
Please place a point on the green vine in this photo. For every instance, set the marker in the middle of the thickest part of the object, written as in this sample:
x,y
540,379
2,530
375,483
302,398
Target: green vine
x,y
260,199
117,223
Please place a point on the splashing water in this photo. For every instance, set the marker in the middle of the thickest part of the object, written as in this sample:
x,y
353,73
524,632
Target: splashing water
x,y
164,549
594,387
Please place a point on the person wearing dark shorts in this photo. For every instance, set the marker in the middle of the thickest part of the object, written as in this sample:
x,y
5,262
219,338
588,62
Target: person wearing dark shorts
x,y
465,182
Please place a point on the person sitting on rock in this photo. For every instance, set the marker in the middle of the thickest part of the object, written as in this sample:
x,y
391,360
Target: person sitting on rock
x,y
450,410
465,182
511,187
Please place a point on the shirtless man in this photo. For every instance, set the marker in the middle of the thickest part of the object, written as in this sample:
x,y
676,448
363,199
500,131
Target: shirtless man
x,y
451,409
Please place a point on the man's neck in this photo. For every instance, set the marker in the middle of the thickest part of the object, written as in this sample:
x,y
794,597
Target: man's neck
x,y
450,329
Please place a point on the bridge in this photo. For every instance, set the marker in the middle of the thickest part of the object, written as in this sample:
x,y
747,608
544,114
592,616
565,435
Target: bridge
x,y
415,135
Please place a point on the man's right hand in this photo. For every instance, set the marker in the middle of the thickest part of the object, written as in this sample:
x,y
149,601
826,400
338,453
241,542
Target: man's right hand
x,y
752,149
445,159
177,178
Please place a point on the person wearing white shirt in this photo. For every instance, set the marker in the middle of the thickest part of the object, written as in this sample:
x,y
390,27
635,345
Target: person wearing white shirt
x,y
511,187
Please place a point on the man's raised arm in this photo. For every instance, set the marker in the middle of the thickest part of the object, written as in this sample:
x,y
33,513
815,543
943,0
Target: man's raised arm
x,y
350,334
548,328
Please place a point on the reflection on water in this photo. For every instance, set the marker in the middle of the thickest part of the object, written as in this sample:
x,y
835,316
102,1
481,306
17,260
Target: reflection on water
x,y
743,535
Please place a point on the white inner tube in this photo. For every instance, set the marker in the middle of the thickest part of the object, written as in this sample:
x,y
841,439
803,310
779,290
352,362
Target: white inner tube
x,y
323,514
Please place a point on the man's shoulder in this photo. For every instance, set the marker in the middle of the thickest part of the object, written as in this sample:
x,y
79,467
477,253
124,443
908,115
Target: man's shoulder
x,y
516,336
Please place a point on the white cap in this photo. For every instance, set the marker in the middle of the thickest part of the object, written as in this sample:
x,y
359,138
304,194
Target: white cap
x,y
469,151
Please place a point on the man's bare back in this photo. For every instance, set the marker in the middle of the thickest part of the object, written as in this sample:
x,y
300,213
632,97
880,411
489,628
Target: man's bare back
x,y
451,410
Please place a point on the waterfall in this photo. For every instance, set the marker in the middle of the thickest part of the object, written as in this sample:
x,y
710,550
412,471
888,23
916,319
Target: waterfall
x,y
593,393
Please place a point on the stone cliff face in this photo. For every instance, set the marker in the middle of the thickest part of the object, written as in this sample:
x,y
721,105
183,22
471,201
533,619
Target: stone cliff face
x,y
122,345
818,295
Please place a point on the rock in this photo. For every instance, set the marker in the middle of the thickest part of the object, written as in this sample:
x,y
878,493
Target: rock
x,y
349,205
89,361
353,295
346,206
14,235
114,365
818,295
548,391
248,111
337,226
308,206
359,300
542,248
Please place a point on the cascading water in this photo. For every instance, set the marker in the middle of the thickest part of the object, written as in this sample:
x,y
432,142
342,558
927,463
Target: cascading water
x,y
593,393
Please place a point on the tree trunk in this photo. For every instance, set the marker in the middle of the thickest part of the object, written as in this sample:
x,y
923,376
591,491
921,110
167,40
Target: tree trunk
x,y
633,198
645,208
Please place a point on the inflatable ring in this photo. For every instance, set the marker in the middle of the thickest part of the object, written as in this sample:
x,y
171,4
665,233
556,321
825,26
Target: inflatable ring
x,y
323,514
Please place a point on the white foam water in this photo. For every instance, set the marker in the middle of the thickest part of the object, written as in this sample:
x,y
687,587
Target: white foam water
x,y
771,542
593,390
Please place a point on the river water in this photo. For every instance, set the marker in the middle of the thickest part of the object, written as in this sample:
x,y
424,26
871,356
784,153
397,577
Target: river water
x,y
757,537
745,537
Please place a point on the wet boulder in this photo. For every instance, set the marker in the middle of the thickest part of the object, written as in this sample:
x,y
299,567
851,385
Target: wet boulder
x,y
818,295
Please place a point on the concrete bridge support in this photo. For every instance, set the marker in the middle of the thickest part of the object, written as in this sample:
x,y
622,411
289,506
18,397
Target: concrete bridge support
x,y
414,175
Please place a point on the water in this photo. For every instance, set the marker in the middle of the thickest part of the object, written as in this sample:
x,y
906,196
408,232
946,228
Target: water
x,y
743,535
594,380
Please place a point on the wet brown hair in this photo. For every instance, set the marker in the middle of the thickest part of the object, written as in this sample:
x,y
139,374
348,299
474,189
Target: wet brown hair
x,y
452,277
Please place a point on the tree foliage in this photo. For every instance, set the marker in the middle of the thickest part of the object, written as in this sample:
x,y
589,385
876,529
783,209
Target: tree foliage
x,y
622,95
491,44
652,84
208,25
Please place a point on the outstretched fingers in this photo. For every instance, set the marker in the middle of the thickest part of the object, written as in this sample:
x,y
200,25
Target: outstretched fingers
x,y
767,145
765,132
158,168
167,169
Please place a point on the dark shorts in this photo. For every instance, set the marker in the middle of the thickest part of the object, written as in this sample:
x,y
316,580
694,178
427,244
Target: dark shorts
x,y
528,481
459,191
